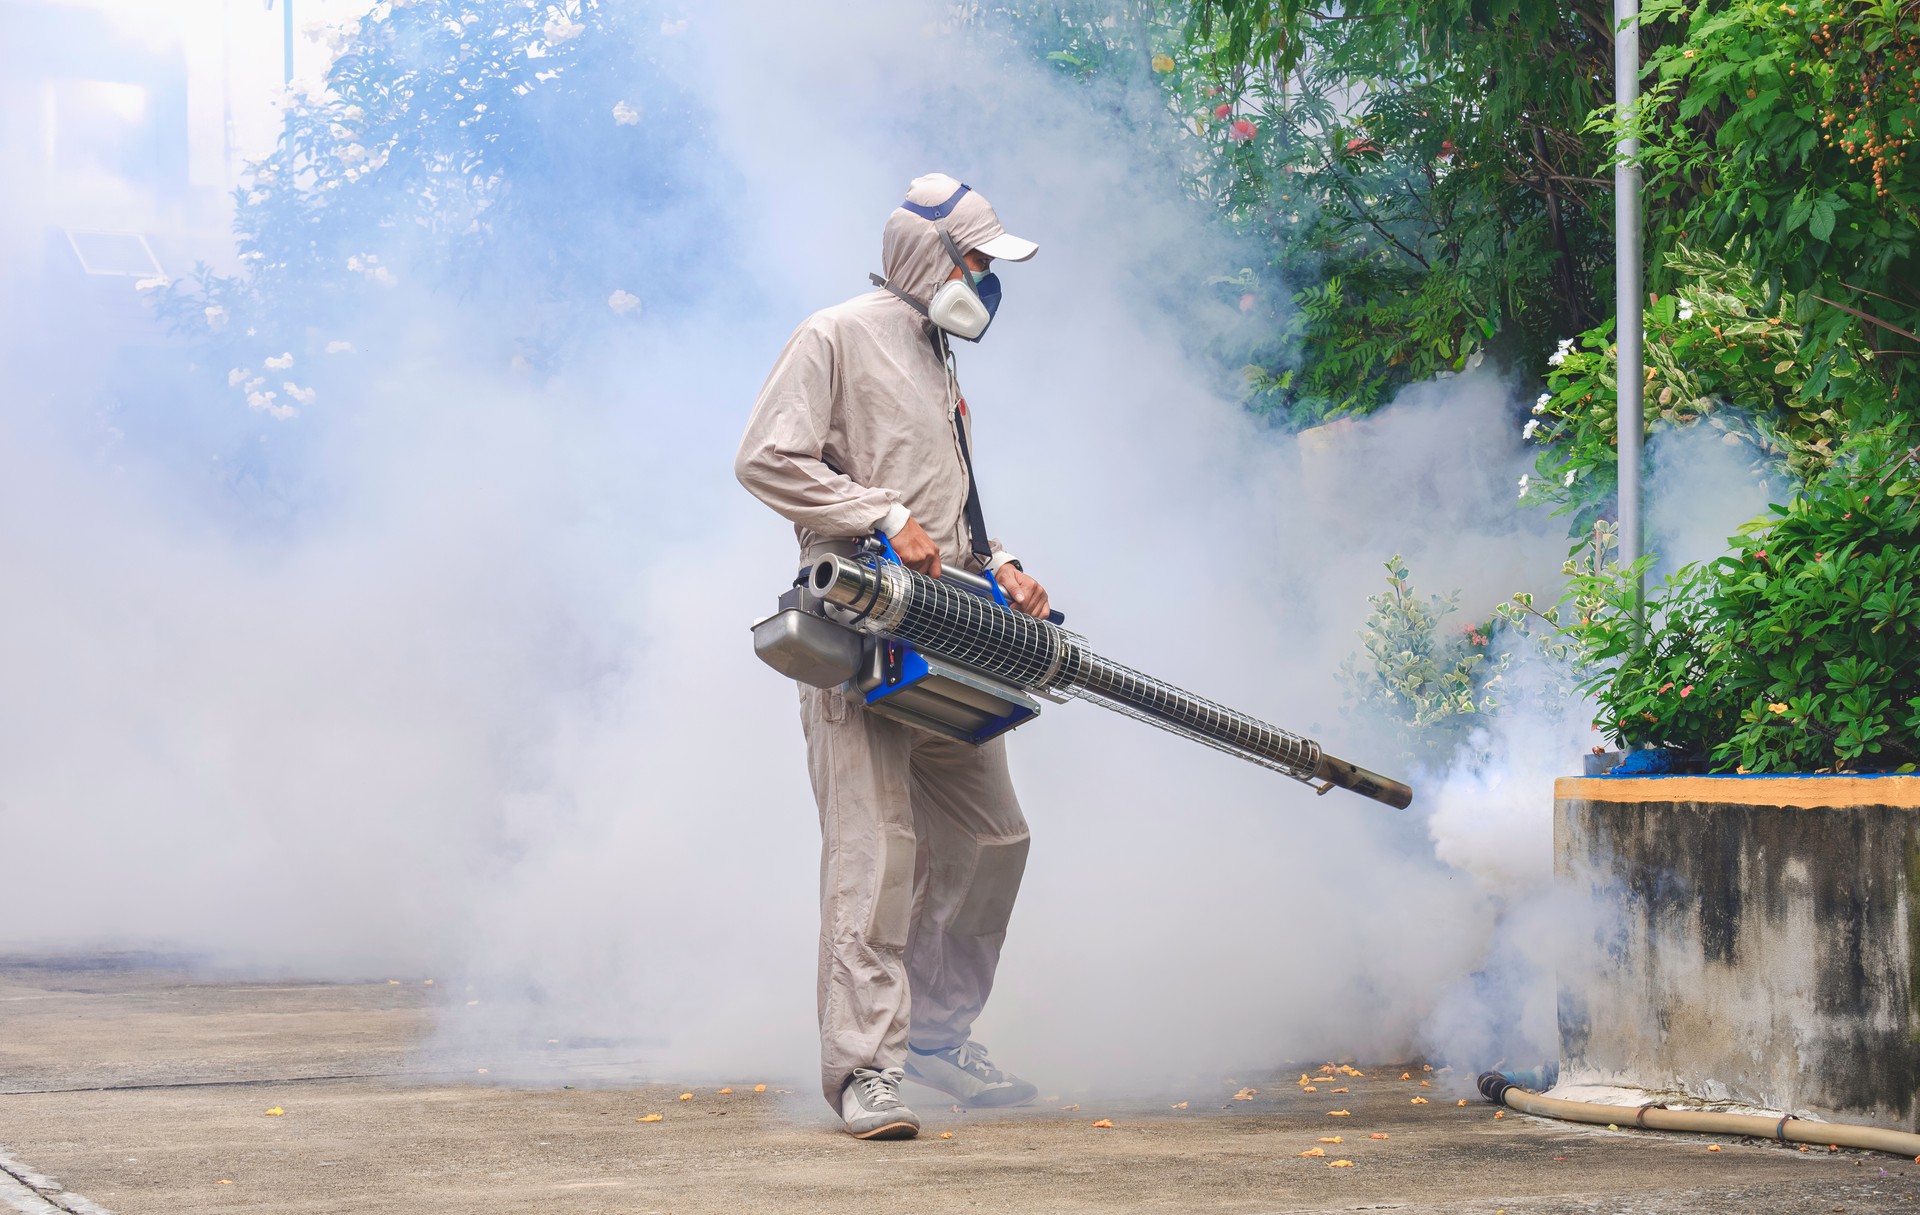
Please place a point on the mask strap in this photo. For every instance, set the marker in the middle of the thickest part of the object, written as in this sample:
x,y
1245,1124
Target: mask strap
x,y
887,285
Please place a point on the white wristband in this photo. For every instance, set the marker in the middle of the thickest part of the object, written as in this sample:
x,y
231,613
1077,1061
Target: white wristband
x,y
893,521
1003,557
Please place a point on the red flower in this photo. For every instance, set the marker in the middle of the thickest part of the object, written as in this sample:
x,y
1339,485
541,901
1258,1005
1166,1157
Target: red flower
x,y
1221,111
1665,686
1686,691
1446,149
1247,302
1360,143
1242,130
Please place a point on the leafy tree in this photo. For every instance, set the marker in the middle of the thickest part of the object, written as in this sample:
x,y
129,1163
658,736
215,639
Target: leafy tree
x,y
1421,177
527,160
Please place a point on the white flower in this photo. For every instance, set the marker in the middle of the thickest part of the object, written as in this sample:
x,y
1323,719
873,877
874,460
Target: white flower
x,y
1686,312
216,317
1569,479
1563,345
303,395
1540,405
623,303
1556,358
281,363
1526,432
625,115
559,27
1525,481
1475,359
339,347
156,283
668,29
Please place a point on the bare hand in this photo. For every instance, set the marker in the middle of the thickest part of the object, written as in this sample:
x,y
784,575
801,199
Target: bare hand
x,y
1024,593
916,549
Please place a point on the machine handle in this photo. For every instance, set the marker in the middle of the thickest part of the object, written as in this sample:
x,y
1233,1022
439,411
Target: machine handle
x,y
978,585
974,583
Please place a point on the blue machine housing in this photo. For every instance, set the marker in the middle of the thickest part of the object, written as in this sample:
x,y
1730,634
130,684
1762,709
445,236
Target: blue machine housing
x,y
937,695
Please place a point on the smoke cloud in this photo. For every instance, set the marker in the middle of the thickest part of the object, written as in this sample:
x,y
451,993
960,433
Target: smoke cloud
x,y
455,681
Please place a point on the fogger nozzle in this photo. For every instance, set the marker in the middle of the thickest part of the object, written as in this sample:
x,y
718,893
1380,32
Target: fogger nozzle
x,y
1035,656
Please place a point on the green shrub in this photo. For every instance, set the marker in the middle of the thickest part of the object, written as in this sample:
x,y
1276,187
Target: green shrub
x,y
1795,652
1431,686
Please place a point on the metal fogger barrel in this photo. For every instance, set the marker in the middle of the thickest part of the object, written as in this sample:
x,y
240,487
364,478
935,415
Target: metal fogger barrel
x,y
942,655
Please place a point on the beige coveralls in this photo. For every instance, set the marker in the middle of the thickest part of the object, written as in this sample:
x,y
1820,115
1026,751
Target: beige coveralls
x,y
922,840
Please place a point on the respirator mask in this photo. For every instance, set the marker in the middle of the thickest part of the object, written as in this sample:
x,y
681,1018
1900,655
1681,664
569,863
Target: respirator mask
x,y
963,306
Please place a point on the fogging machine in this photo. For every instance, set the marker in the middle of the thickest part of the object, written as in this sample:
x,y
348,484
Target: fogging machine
x,y
950,655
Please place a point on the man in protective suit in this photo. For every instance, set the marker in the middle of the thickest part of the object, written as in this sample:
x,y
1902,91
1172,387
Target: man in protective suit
x,y
861,428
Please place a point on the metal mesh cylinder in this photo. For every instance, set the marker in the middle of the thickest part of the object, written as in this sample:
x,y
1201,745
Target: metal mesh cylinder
x,y
1037,656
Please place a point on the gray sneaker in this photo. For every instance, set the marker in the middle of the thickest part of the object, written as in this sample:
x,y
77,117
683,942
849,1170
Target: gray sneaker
x,y
965,1071
871,1107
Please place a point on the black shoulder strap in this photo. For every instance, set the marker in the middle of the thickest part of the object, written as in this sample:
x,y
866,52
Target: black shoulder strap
x,y
976,518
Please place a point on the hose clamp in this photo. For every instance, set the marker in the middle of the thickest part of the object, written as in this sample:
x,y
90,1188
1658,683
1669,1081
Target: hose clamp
x,y
1640,1115
1780,1132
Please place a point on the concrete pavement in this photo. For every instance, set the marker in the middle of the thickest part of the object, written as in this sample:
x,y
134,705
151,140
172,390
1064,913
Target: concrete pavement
x,y
141,1090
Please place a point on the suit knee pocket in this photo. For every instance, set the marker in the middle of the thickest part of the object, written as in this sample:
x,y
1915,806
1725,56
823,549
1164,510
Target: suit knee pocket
x,y
990,895
892,911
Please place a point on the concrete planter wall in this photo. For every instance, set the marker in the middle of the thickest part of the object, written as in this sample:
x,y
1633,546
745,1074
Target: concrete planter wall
x,y
1758,940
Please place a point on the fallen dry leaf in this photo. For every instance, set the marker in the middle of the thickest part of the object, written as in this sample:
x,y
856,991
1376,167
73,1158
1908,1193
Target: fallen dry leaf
x,y
1341,1090
1065,1109
650,1118
759,1088
1501,1114
1247,1094
1833,1147
1339,1113
1339,1164
1426,1067
1406,1075
481,1070
427,982
1426,1084
946,1134
1351,1071
1376,1135
1308,1089
686,1096
223,1181
726,1092
1105,1124
1462,1101
1303,1079
1182,1105
1420,1101
1330,1139
390,983
1713,1147
275,1112
1314,1151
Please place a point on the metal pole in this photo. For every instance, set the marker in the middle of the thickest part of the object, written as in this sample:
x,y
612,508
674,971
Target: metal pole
x,y
286,41
1628,290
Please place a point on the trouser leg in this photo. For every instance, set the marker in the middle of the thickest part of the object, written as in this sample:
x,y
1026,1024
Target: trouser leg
x,y
972,853
859,766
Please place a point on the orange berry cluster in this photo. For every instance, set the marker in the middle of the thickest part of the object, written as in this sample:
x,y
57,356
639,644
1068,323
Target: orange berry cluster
x,y
1861,123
